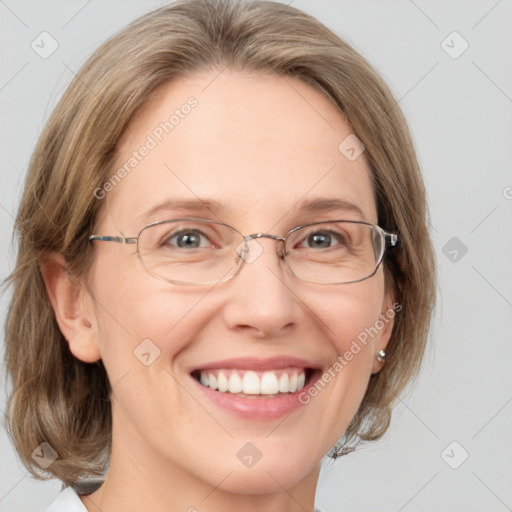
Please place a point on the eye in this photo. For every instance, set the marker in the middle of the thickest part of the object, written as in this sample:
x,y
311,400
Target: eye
x,y
187,239
324,239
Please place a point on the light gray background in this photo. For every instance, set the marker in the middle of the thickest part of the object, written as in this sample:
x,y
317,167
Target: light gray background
x,y
460,114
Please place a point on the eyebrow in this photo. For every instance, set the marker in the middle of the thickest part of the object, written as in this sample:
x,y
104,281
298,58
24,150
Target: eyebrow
x,y
323,205
309,206
195,205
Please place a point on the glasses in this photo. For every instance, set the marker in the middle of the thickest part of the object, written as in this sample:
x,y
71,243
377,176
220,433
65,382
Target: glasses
x,y
192,251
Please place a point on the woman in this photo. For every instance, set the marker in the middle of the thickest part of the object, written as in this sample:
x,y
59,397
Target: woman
x,y
224,271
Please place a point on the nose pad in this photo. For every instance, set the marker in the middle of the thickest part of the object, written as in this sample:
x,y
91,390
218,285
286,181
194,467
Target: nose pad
x,y
249,251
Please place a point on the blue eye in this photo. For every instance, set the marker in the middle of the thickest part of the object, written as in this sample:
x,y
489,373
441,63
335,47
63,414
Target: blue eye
x,y
324,239
190,238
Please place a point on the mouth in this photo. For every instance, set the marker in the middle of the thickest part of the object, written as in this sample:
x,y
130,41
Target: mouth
x,y
252,383
258,389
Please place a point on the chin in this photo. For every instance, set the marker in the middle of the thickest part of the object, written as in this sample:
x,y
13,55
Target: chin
x,y
261,481
265,476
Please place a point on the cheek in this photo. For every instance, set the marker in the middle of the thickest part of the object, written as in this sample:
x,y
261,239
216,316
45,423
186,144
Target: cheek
x,y
138,315
158,321
350,314
144,330
349,318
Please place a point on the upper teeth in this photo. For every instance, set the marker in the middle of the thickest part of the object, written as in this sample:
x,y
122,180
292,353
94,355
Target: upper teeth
x,y
254,383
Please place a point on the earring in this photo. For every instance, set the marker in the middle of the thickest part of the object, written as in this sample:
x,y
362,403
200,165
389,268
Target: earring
x,y
381,356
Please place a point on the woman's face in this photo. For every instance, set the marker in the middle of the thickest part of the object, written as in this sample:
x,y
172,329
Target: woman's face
x,y
257,147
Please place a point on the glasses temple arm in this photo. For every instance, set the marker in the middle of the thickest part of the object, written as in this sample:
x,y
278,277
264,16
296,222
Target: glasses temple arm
x,y
119,239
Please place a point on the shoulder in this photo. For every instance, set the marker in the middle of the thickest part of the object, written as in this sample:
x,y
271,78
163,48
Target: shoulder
x,y
67,501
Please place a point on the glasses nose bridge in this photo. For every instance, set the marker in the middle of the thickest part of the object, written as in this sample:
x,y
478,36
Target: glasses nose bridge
x,y
248,238
263,235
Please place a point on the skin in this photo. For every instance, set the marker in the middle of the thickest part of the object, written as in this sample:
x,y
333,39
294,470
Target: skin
x,y
259,144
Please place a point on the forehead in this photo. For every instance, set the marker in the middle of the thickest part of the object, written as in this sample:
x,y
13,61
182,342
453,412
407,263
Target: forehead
x,y
256,145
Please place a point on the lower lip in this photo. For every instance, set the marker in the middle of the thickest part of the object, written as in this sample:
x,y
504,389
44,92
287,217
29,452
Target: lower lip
x,y
258,408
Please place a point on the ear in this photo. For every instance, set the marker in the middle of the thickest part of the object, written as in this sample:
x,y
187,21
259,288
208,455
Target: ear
x,y
73,308
390,308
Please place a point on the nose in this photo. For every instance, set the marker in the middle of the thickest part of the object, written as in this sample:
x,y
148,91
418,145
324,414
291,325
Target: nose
x,y
259,298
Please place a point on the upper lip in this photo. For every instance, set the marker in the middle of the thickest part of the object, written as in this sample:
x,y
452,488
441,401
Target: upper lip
x,y
258,364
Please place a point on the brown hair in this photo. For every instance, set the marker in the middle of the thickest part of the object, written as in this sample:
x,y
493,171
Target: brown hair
x,y
63,401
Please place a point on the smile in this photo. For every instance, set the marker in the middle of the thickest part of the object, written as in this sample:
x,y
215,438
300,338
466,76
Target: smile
x,y
253,388
250,383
